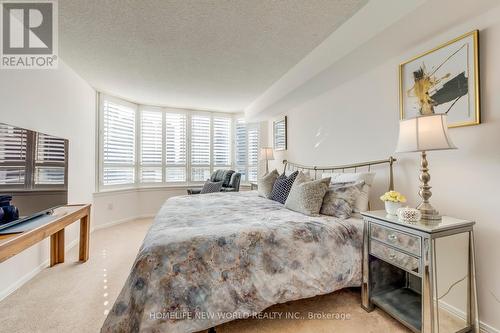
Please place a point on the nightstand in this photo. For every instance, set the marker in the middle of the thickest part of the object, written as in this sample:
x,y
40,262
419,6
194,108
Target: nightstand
x,y
401,273
254,186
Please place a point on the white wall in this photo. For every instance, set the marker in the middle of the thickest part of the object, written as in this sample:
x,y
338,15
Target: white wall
x,y
60,103
124,205
352,115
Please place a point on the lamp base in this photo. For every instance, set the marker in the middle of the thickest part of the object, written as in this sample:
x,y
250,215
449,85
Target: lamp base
x,y
429,213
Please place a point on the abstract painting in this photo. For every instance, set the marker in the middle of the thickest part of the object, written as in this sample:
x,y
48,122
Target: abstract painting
x,y
443,80
280,134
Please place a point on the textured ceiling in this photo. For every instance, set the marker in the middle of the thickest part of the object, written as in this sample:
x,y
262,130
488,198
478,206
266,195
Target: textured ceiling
x,y
211,54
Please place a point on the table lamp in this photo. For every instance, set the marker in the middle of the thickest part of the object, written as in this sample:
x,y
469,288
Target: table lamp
x,y
423,134
268,155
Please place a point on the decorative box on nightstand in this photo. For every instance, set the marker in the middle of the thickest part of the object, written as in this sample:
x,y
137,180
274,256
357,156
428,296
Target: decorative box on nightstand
x,y
401,273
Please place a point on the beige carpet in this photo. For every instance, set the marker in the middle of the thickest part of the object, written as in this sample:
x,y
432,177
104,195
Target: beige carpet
x,y
73,297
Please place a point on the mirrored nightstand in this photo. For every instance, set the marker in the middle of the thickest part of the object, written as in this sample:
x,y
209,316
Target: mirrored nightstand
x,y
420,273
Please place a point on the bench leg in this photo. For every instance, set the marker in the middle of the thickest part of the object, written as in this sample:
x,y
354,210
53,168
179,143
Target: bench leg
x,y
57,248
84,238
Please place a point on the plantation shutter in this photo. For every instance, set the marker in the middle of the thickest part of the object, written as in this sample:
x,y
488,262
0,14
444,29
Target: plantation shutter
x,y
175,132
253,152
222,142
13,147
118,143
151,146
241,151
200,147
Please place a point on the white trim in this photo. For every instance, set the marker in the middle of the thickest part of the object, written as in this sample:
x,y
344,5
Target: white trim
x,y
483,327
45,264
120,221
21,281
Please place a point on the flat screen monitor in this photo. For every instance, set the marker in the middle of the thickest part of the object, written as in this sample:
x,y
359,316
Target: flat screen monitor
x,y
33,174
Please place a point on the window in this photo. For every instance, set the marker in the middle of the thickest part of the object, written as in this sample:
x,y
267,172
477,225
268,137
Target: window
x,y
151,147
200,147
222,142
247,150
118,147
147,146
253,152
175,149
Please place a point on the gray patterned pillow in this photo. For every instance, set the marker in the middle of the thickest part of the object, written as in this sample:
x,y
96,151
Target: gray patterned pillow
x,y
211,187
306,196
282,187
340,198
266,183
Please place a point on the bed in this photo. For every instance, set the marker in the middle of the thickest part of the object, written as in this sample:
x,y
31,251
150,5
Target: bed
x,y
213,258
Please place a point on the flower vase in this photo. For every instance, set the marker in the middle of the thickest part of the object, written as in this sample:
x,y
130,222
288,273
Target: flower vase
x,y
392,207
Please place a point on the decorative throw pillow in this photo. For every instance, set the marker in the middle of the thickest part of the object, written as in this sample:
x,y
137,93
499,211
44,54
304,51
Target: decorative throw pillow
x,y
362,200
211,187
282,187
289,171
340,199
306,195
266,183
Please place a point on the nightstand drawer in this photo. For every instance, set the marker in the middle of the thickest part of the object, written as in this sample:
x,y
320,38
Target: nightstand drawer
x,y
403,241
392,256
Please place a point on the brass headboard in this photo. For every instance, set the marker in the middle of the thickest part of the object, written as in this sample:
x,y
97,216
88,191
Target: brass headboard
x,y
347,167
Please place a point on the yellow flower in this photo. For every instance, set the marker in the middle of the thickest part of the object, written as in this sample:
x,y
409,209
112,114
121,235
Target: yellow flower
x,y
393,196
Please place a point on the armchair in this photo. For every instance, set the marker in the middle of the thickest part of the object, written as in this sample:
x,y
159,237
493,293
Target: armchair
x,y
230,178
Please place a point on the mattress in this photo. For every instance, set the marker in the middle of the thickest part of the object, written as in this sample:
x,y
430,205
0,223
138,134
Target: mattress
x,y
211,258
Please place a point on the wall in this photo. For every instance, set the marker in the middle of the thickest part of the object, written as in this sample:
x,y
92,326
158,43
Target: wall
x,y
351,115
60,103
125,205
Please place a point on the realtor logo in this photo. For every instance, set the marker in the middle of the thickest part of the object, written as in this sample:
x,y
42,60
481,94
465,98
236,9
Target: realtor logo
x,y
29,34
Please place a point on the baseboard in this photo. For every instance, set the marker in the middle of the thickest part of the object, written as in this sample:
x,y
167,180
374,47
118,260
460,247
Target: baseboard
x,y
116,222
20,282
483,327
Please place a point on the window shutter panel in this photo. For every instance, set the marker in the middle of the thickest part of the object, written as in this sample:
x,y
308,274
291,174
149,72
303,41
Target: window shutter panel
x,y
241,155
253,152
200,147
151,146
118,144
175,150
222,142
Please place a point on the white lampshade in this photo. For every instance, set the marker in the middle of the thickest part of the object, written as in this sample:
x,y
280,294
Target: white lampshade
x,y
267,153
424,133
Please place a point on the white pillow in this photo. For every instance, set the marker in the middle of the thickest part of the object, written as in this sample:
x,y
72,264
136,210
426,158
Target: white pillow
x,y
266,183
361,204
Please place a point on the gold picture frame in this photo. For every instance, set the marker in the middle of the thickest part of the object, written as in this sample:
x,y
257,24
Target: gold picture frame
x,y
447,59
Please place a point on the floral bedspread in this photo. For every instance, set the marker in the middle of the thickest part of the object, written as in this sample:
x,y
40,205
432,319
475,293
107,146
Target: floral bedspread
x,y
211,258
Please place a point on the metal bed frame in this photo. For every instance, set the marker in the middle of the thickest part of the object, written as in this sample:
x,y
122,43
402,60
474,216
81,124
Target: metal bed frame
x,y
343,168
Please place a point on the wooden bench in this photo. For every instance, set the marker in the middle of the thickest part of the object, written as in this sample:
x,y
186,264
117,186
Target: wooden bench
x,y
12,244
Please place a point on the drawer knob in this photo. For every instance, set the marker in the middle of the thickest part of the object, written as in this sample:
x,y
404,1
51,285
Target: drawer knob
x,y
392,237
392,255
